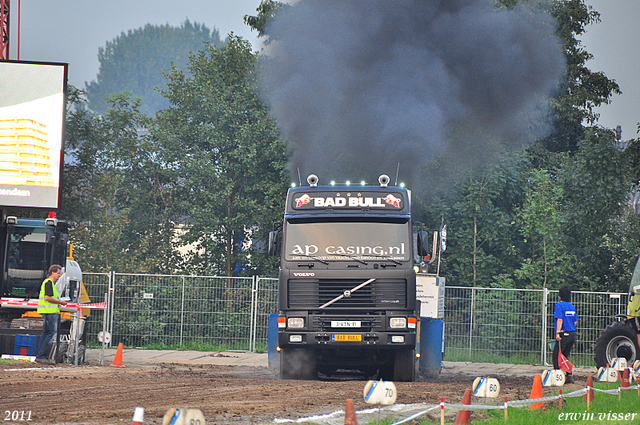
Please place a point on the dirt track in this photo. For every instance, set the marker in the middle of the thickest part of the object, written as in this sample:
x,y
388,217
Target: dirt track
x,y
93,394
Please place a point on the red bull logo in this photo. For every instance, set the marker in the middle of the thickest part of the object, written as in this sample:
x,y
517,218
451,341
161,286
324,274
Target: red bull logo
x,y
393,200
303,200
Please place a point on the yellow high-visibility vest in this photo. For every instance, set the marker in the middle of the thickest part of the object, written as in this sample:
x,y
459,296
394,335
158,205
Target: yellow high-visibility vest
x,y
45,306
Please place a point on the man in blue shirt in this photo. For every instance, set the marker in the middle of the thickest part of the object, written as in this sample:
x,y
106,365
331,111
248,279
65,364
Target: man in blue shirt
x,y
565,326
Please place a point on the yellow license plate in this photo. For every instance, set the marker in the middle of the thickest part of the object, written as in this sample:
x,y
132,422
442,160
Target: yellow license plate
x,y
346,337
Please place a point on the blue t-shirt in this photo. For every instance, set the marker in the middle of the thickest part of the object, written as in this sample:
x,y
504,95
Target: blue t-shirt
x,y
567,312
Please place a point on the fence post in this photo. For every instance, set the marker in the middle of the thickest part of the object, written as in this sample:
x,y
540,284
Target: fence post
x,y
112,304
256,292
253,306
182,313
473,293
543,353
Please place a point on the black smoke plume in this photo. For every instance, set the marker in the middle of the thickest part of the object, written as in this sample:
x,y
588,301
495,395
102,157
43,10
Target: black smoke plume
x,y
359,87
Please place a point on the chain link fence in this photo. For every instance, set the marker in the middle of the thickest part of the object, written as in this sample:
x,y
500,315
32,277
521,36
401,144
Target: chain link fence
x,y
219,313
517,325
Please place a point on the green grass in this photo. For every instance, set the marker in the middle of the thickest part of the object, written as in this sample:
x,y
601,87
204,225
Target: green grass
x,y
10,361
574,411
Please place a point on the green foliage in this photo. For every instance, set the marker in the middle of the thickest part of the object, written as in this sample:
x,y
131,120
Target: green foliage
x,y
596,190
484,241
218,137
582,90
541,222
208,173
134,62
114,197
266,11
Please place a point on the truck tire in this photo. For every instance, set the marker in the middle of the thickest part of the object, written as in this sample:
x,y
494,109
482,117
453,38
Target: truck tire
x,y
61,353
617,340
404,366
298,363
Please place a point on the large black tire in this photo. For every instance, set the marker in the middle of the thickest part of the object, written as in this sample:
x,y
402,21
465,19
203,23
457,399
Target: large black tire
x,y
298,363
404,366
61,353
617,340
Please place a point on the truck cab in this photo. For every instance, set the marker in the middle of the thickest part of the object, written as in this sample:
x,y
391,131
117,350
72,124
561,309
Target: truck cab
x,y
347,285
28,247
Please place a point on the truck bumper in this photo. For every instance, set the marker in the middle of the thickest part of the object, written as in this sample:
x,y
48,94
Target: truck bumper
x,y
375,340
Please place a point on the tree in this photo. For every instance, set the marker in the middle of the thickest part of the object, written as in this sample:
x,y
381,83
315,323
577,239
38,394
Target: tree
x,y
596,189
483,239
266,11
581,90
218,137
541,222
115,195
134,62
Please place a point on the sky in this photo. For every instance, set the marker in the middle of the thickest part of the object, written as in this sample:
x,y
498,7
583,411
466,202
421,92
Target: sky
x,y
72,31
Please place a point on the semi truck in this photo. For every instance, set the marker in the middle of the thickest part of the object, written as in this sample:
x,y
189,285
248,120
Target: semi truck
x,y
28,247
347,284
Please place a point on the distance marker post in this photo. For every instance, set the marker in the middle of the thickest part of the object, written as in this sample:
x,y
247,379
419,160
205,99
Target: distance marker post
x,y
505,409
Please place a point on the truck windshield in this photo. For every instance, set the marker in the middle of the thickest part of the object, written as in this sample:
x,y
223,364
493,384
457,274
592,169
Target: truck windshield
x,y
347,241
27,258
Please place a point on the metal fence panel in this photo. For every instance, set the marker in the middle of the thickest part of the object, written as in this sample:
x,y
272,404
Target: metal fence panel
x,y
595,311
162,310
495,324
266,304
97,286
488,324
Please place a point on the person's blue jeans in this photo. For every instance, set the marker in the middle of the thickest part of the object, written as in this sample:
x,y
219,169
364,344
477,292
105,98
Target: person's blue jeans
x,y
49,333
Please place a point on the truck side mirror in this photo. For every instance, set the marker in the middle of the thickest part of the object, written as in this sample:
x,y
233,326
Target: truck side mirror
x,y
423,244
273,243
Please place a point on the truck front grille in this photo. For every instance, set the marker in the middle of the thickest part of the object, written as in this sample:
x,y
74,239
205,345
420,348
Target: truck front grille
x,y
310,294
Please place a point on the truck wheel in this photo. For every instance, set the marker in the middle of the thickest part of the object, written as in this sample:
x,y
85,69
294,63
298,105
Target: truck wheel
x,y
404,366
61,352
298,363
617,340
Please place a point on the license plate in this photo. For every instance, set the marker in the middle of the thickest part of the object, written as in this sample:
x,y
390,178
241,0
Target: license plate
x,y
345,324
346,337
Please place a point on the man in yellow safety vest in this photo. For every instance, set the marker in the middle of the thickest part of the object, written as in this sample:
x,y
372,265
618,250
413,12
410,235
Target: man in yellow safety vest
x,y
49,306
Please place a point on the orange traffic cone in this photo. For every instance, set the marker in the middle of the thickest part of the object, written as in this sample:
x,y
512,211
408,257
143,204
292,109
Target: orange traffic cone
x,y
625,379
589,395
536,392
138,416
464,415
117,361
350,413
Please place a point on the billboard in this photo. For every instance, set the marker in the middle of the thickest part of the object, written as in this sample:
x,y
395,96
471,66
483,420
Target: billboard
x,y
32,109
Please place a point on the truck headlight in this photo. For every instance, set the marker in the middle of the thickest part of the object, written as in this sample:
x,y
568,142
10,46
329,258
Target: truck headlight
x,y
397,338
295,338
398,322
295,322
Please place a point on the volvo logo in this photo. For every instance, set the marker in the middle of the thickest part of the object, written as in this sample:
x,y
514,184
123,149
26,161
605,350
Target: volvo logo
x,y
304,274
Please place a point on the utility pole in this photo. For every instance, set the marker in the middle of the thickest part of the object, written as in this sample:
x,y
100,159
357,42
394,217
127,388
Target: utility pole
x,y
4,29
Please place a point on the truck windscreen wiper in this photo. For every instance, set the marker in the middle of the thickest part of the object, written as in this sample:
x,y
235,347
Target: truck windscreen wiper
x,y
313,258
384,257
353,258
